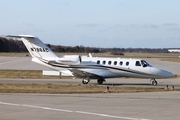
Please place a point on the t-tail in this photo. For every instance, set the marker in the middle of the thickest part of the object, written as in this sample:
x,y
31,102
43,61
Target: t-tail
x,y
36,47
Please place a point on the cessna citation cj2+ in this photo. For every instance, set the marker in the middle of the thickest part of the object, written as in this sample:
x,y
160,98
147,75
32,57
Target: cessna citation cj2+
x,y
88,67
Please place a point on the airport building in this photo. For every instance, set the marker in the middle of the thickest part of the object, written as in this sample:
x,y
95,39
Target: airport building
x,y
174,50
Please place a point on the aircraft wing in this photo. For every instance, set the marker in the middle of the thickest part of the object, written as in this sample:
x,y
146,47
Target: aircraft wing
x,y
82,74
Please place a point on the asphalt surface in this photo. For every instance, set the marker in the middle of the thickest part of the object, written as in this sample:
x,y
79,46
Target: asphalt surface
x,y
122,106
20,63
107,106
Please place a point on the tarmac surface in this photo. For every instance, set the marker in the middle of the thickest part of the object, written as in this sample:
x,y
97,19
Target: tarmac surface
x,y
107,106
122,106
19,63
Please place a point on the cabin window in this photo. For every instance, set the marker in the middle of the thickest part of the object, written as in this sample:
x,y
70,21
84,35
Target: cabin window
x,y
32,49
37,49
98,62
115,62
104,62
109,62
44,50
138,63
121,63
127,63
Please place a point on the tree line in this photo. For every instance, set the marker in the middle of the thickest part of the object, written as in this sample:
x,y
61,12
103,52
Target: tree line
x,y
10,45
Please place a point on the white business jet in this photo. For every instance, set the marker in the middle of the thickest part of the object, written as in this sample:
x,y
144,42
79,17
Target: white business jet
x,y
88,67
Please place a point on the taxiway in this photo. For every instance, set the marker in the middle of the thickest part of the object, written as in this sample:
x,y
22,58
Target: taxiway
x,y
122,106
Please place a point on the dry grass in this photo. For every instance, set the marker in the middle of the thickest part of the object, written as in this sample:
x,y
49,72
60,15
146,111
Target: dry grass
x,y
34,74
66,89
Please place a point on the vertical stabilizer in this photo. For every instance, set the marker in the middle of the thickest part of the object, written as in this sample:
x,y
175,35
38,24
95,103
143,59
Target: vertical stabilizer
x,y
36,47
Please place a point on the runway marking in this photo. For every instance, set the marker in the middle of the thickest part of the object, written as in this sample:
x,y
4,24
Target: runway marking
x,y
111,116
70,111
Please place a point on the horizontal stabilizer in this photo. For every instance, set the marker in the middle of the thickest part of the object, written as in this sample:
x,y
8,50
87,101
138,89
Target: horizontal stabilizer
x,y
21,36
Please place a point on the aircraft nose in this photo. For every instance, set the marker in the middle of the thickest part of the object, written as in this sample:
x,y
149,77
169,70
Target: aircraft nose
x,y
164,74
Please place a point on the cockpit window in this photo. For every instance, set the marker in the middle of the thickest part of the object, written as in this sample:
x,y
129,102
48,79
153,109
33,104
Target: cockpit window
x,y
144,63
138,63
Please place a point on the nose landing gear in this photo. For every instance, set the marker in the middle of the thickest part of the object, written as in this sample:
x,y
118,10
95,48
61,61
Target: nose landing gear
x,y
154,82
86,80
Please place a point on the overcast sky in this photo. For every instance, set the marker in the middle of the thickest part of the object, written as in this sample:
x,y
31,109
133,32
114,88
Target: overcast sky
x,y
95,23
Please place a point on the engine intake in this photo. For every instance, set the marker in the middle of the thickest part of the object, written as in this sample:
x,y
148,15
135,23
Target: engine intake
x,y
69,59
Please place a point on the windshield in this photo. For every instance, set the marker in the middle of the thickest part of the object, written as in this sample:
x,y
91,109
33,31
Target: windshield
x,y
144,63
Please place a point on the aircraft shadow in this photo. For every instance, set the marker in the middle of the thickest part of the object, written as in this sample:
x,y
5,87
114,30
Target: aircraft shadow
x,y
135,85
138,85
125,84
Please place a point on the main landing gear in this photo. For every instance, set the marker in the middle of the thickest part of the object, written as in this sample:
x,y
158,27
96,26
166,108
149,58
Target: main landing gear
x,y
87,79
100,80
154,82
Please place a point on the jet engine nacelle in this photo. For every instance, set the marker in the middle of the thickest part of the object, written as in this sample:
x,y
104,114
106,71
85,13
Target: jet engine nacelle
x,y
69,59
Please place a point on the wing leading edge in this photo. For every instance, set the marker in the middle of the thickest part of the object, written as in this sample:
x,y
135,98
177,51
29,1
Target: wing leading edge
x,y
21,36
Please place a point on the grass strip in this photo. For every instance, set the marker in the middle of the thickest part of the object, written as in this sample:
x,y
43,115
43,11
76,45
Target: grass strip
x,y
23,74
69,89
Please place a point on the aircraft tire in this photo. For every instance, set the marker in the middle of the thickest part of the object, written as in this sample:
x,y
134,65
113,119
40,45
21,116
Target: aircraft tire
x,y
84,82
154,82
100,81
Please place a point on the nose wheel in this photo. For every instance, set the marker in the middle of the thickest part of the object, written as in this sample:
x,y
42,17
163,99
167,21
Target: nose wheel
x,y
86,80
154,82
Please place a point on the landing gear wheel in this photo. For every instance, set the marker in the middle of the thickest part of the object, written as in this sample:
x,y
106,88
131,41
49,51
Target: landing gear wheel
x,y
86,80
100,81
154,82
